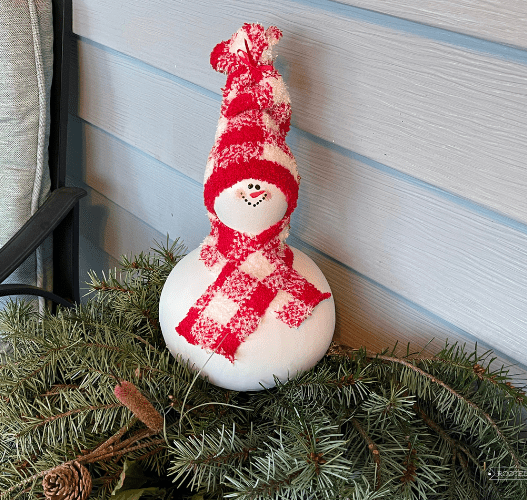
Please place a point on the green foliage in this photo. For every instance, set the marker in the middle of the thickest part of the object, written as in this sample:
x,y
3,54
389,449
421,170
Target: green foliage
x,y
359,425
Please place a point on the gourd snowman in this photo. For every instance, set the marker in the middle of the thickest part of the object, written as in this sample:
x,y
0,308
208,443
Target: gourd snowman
x,y
245,307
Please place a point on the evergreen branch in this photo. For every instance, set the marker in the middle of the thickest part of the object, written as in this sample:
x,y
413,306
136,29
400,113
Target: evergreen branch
x,y
104,287
56,389
455,445
212,404
31,375
460,397
154,322
103,346
139,266
471,365
355,491
479,371
41,367
464,466
266,489
29,479
51,352
104,452
410,465
110,454
115,328
77,410
151,452
211,455
173,254
373,449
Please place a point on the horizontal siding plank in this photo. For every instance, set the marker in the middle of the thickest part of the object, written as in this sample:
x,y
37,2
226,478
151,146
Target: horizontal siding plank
x,y
504,21
447,258
456,263
138,106
450,116
371,316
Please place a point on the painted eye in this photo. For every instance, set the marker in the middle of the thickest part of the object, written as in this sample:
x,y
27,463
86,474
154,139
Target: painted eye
x,y
250,186
257,187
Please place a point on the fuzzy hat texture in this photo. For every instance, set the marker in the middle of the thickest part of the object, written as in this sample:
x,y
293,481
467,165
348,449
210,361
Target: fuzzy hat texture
x,y
254,118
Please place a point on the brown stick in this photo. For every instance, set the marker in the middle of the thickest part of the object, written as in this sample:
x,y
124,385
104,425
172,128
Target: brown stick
x,y
113,438
376,456
116,453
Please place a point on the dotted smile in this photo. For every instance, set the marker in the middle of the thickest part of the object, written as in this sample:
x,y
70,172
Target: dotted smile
x,y
255,195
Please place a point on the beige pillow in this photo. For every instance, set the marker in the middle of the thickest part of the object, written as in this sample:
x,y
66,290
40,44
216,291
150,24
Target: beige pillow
x,y
26,64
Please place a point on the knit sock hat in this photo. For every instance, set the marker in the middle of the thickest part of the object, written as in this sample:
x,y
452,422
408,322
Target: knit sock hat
x,y
254,119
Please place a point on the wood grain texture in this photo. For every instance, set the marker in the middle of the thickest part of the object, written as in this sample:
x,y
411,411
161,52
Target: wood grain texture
x,y
371,316
456,263
452,117
137,105
503,21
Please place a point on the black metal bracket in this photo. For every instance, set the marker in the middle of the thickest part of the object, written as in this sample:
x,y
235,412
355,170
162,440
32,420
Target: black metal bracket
x,y
59,215
16,289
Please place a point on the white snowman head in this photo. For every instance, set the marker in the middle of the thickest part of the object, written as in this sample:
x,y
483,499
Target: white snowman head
x,y
253,197
251,206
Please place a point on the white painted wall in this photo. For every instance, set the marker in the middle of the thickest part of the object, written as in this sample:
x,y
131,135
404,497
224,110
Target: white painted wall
x,y
409,130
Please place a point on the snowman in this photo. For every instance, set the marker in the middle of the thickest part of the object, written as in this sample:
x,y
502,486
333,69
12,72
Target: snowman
x,y
245,307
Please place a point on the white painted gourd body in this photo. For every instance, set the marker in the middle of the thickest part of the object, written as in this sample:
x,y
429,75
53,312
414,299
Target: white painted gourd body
x,y
274,349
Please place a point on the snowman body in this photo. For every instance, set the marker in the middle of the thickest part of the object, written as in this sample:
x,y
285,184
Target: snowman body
x,y
274,349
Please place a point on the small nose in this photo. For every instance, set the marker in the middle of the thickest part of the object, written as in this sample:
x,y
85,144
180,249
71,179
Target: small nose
x,y
258,193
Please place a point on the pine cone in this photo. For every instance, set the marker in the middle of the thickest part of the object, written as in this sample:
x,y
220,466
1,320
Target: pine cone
x,y
67,482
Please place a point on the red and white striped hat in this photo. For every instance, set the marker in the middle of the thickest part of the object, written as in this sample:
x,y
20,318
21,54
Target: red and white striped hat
x,y
254,119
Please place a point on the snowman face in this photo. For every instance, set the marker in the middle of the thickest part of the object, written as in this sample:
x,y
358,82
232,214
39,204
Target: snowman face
x,y
250,206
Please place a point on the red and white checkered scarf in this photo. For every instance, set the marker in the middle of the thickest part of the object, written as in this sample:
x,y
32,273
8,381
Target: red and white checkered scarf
x,y
255,274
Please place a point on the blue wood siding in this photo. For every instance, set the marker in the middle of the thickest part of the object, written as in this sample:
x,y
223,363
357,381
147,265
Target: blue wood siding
x,y
410,139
